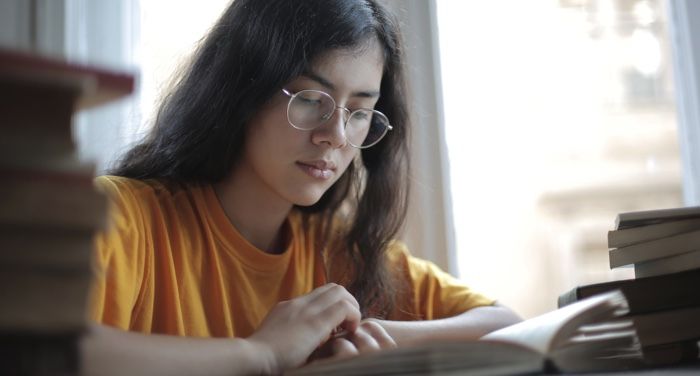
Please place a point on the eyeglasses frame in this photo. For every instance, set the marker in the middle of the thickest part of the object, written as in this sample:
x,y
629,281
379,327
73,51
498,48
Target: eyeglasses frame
x,y
350,113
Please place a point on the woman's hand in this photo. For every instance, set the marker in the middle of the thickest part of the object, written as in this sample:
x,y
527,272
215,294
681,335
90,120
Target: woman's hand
x,y
293,329
369,337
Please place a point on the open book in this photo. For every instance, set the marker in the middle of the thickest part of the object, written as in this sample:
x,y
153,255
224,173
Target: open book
x,y
585,336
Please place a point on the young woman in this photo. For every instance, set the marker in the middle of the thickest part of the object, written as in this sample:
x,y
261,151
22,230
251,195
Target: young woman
x,y
253,230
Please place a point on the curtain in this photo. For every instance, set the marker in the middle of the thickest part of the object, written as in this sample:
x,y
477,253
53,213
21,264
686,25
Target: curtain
x,y
105,33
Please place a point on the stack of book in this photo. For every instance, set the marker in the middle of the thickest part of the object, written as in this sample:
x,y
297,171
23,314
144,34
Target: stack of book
x,y
49,210
663,246
656,242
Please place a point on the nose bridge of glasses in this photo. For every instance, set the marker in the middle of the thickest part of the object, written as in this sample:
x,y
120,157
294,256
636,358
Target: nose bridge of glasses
x,y
330,114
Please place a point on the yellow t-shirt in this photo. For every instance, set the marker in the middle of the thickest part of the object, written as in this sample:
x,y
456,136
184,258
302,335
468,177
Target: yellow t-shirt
x,y
171,262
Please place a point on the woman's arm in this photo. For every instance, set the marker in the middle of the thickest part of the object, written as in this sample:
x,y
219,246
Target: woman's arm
x,y
471,324
287,336
108,351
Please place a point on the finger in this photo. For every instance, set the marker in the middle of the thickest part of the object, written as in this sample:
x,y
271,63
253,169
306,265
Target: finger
x,y
342,348
363,341
379,334
313,294
320,290
331,294
342,314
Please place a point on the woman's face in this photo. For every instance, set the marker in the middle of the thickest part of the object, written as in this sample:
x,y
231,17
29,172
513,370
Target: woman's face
x,y
298,166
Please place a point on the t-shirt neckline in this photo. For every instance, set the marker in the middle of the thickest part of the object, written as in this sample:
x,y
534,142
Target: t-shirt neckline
x,y
238,245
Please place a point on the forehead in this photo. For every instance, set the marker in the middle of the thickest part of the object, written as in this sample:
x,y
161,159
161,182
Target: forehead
x,y
352,69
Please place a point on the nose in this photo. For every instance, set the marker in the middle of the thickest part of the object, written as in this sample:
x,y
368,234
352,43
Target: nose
x,y
332,132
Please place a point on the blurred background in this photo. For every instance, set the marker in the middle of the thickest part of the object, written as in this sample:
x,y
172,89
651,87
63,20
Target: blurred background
x,y
558,115
536,122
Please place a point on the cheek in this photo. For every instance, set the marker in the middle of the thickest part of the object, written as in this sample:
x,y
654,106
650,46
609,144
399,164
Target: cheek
x,y
347,156
271,132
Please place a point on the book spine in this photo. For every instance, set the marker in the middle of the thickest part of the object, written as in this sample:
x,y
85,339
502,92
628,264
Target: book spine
x,y
666,265
647,217
37,300
668,326
569,297
51,199
636,235
24,353
655,249
650,294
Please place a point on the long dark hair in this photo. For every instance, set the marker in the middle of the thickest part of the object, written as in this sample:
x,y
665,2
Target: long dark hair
x,y
255,48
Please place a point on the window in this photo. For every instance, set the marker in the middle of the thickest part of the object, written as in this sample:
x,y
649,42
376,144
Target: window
x,y
558,115
167,42
148,38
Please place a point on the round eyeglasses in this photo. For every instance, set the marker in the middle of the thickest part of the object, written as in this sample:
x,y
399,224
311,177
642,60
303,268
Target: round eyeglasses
x,y
309,109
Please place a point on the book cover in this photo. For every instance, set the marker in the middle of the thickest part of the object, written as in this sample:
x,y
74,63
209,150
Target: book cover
x,y
45,248
51,198
641,234
655,249
94,86
666,265
666,327
648,217
44,302
644,295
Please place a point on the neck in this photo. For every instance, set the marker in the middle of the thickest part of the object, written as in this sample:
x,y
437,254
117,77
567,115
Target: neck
x,y
259,217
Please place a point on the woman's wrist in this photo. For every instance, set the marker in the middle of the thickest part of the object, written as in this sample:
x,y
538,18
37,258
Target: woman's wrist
x,y
261,353
403,332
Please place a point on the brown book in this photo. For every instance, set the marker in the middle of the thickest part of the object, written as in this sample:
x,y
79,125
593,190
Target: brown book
x,y
666,327
649,217
46,248
667,265
46,76
641,234
655,249
644,295
51,199
41,301
48,209
54,354
39,149
671,353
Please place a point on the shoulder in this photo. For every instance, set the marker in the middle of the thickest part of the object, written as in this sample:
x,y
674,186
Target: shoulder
x,y
432,293
399,255
416,269
135,192
116,186
132,201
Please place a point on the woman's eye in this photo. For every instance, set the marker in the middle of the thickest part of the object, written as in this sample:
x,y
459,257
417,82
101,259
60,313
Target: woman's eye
x,y
361,115
309,101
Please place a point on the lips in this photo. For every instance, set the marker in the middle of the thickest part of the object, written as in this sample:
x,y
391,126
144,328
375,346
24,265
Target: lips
x,y
319,169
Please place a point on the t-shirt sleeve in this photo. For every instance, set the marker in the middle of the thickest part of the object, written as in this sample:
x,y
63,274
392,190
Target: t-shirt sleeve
x,y
430,293
118,257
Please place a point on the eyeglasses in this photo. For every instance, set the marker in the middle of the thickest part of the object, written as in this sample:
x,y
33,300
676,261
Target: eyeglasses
x,y
309,109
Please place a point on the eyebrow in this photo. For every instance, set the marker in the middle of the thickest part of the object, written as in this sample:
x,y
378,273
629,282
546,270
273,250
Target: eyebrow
x,y
329,85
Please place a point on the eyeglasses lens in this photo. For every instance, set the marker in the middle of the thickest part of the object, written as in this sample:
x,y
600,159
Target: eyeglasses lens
x,y
309,109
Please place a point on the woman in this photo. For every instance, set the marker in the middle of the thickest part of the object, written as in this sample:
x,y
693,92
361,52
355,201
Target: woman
x,y
253,230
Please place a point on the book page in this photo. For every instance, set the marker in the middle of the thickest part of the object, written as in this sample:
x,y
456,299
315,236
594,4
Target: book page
x,y
471,357
548,331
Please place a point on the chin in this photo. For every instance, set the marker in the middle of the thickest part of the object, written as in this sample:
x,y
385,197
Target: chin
x,y
308,196
308,199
